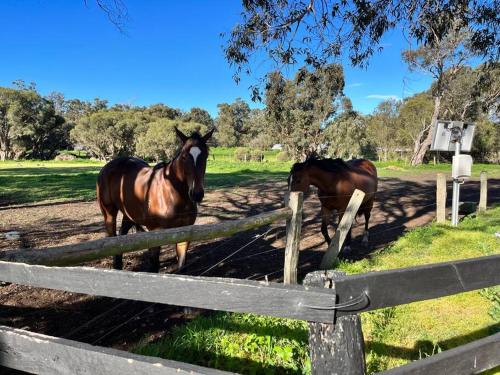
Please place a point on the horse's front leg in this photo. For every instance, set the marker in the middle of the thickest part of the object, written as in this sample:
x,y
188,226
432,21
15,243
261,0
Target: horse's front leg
x,y
326,216
181,249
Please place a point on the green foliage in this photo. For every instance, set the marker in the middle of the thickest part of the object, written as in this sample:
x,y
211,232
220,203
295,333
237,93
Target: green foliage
x,y
107,134
382,128
199,116
159,141
242,154
257,155
283,156
346,136
29,125
298,109
230,123
486,143
243,343
162,111
292,33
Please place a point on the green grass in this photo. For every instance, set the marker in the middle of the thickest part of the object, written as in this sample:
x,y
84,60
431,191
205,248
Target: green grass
x,y
394,336
36,181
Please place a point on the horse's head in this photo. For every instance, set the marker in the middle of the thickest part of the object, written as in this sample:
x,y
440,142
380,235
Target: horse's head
x,y
193,162
298,179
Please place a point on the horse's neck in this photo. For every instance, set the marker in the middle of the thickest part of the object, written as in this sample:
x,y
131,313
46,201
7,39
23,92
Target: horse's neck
x,y
171,174
324,180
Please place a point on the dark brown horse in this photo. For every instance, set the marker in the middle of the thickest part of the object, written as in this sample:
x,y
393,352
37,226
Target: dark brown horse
x,y
336,181
164,196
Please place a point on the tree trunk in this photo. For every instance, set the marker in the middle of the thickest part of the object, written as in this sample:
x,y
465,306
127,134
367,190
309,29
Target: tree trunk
x,y
421,149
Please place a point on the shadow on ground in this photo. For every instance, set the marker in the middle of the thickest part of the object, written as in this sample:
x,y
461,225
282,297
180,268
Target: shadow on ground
x,y
258,255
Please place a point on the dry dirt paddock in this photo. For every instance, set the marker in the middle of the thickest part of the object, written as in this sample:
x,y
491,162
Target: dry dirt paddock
x,y
401,204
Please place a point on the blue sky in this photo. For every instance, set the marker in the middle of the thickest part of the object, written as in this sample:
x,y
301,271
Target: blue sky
x,y
170,52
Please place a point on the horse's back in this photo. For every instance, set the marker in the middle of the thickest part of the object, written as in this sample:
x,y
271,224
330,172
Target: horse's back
x,y
363,165
113,176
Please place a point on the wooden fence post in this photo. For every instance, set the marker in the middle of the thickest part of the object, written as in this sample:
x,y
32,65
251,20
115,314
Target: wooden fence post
x,y
293,229
336,348
483,197
344,226
441,198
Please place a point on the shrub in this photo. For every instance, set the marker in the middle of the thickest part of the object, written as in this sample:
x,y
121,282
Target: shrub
x,y
65,157
257,155
242,154
283,156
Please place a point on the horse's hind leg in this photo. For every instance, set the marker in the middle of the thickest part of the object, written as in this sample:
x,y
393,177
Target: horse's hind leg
x,y
367,213
154,259
326,216
126,225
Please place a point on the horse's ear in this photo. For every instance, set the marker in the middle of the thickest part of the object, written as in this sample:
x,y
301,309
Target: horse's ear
x,y
207,136
181,135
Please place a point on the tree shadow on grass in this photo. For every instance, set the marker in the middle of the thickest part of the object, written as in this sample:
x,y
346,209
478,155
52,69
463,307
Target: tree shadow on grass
x,y
426,348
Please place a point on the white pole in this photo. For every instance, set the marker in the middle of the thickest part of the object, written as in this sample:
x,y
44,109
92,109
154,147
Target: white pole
x,y
456,190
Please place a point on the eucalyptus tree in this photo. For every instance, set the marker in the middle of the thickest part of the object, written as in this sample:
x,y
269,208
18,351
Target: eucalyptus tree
x,y
299,108
198,115
230,123
316,32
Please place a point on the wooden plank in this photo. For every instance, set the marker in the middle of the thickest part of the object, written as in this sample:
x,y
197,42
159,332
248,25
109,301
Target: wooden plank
x,y
336,347
293,231
41,354
235,295
441,198
472,358
344,227
405,285
108,246
483,193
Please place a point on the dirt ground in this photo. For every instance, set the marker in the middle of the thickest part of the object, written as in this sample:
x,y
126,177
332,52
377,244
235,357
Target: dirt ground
x,y
400,204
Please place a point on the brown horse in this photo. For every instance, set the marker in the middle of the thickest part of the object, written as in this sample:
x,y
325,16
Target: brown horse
x,y
336,180
164,196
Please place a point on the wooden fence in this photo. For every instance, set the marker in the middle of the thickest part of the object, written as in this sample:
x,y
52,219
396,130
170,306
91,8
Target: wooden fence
x,y
335,333
330,302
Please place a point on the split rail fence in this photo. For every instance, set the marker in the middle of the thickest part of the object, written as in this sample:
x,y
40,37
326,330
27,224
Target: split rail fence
x,y
329,301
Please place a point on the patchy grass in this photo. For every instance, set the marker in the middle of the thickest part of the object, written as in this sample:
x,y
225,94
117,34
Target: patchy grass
x,y
244,343
394,336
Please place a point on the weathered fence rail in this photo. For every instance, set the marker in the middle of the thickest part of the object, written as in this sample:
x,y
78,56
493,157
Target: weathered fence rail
x,y
472,358
191,291
41,354
344,295
91,250
405,285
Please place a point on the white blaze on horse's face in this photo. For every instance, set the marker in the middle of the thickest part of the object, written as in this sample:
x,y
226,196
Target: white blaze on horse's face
x,y
195,152
290,183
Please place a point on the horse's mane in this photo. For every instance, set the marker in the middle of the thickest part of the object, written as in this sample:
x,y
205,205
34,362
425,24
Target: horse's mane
x,y
329,165
161,164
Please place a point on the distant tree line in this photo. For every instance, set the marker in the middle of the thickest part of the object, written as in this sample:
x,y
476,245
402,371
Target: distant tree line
x,y
37,127
307,114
